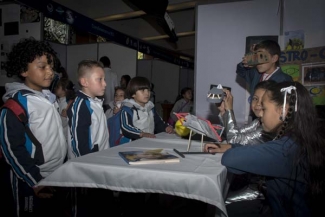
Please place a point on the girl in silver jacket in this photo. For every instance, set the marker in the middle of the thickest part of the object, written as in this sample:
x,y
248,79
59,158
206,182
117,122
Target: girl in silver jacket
x,y
250,134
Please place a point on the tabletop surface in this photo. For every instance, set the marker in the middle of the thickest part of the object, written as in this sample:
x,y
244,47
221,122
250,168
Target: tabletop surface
x,y
200,177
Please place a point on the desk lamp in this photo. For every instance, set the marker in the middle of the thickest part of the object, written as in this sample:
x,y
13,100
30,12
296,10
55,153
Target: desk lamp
x,y
216,94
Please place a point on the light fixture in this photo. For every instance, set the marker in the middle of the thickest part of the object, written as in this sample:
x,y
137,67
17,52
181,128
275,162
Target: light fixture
x,y
216,94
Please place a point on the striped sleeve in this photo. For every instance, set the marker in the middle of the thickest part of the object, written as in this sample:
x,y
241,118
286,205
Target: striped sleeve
x,y
14,145
160,125
128,130
79,115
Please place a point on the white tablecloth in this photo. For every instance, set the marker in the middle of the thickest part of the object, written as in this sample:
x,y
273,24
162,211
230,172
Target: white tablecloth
x,y
200,177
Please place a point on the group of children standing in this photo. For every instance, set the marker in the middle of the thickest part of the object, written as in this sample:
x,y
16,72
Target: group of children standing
x,y
67,126
291,157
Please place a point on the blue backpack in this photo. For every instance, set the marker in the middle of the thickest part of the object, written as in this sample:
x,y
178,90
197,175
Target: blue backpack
x,y
114,128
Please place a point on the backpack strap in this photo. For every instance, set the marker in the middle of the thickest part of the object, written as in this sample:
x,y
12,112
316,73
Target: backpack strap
x,y
14,106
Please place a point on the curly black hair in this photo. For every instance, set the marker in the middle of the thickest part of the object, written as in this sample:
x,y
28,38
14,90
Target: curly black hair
x,y
25,52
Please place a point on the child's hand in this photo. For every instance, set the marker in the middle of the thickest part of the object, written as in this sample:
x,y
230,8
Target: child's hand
x,y
116,109
169,129
244,62
148,135
221,107
64,113
228,99
216,148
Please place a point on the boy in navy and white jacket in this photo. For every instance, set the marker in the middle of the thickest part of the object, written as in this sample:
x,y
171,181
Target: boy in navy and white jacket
x,y
145,121
87,120
28,163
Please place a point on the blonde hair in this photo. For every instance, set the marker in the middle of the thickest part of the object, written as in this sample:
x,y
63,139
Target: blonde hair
x,y
85,66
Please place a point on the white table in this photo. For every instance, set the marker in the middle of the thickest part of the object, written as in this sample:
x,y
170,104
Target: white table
x,y
200,177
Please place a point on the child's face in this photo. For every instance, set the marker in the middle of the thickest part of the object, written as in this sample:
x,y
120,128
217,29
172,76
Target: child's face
x,y
270,115
94,84
142,96
119,95
188,95
256,102
269,67
39,74
59,92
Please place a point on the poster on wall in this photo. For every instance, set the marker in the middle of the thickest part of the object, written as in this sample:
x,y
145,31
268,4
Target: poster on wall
x,y
294,40
307,66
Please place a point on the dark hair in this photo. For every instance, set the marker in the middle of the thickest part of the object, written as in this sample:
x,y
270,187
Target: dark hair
x,y
264,84
183,91
302,126
85,65
127,79
135,84
106,61
68,87
63,72
25,52
119,88
272,47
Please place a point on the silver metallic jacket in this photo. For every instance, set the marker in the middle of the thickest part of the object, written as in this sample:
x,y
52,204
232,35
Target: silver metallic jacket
x,y
250,134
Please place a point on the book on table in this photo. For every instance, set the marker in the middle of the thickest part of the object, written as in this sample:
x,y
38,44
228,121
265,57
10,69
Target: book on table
x,y
154,156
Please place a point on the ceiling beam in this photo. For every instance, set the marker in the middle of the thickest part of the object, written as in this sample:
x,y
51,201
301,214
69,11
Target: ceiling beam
x,y
158,37
133,14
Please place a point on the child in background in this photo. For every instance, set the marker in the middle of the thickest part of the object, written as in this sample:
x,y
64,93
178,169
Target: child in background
x,y
265,71
87,120
294,162
115,106
125,79
183,104
65,94
29,163
145,121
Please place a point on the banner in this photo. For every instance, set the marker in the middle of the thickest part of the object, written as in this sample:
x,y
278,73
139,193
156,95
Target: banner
x,y
63,14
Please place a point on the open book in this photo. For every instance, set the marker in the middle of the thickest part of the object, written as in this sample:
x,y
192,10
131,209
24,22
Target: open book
x,y
201,126
155,156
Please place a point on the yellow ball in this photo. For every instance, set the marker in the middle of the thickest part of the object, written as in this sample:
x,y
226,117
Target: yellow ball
x,y
180,129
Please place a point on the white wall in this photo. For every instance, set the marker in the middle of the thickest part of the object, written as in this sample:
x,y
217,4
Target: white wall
x,y
165,77
220,44
11,13
61,52
77,53
123,59
307,15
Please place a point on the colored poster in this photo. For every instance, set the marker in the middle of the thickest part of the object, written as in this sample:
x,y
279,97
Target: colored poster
x,y
292,70
317,93
294,40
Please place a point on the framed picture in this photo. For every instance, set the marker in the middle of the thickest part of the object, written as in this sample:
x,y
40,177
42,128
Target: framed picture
x,y
313,74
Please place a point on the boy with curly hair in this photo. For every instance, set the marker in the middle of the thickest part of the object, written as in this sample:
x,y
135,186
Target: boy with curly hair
x,y
28,163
